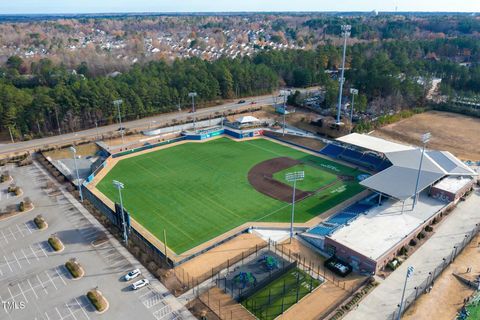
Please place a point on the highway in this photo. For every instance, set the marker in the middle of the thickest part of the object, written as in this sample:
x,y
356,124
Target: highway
x,y
144,123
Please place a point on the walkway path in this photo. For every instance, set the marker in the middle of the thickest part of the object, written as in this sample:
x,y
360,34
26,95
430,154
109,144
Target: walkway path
x,y
384,300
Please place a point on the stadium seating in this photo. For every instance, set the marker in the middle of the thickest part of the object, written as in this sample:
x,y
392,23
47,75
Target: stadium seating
x,y
332,150
322,229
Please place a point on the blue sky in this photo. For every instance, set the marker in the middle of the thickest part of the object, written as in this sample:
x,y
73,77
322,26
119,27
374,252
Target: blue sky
x,y
97,6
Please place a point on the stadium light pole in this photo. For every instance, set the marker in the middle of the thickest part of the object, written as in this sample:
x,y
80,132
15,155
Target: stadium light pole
x,y
345,33
193,95
284,94
119,187
410,270
79,185
353,92
117,103
425,139
294,177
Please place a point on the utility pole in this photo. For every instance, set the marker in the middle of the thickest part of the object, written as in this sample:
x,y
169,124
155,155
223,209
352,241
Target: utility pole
x,y
96,128
58,123
193,95
425,139
294,177
117,103
11,135
284,94
353,92
345,33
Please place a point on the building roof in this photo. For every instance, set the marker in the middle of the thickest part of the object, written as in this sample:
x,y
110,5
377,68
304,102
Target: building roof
x,y
373,143
453,184
383,227
399,180
246,119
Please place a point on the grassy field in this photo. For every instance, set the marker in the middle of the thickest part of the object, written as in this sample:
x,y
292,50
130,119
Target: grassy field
x,y
474,311
196,191
281,294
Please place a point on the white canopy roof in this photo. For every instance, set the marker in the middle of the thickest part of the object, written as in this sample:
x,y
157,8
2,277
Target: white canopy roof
x,y
373,143
247,119
399,180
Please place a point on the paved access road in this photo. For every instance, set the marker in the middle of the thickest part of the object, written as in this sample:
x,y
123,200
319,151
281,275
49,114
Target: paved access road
x,y
384,300
141,123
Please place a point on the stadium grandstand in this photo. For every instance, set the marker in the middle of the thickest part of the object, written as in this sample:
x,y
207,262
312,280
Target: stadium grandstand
x,y
407,195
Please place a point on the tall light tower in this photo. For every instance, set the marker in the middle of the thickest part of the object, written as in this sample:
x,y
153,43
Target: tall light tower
x,y
284,94
294,177
79,184
117,104
353,92
425,139
410,271
345,34
120,186
193,95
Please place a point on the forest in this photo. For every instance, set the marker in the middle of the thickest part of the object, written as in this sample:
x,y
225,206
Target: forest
x,y
390,75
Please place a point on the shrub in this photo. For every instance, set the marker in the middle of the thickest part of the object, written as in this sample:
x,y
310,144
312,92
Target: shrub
x,y
75,268
4,177
97,299
403,251
428,229
40,222
412,243
56,243
420,236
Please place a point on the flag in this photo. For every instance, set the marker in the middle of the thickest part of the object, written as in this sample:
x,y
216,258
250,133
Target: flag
x,y
410,271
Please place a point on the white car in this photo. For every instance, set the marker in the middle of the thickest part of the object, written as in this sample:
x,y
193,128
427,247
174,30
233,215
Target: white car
x,y
132,275
140,284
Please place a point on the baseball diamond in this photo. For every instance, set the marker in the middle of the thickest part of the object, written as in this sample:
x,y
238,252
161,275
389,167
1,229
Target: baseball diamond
x,y
198,191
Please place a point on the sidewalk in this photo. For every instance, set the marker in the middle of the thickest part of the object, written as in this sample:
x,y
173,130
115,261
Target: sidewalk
x,y
384,300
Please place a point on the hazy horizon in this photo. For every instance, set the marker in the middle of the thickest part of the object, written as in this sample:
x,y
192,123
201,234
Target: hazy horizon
x,y
198,6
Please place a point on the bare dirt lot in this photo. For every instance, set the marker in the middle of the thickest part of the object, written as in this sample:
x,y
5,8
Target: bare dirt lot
x,y
452,132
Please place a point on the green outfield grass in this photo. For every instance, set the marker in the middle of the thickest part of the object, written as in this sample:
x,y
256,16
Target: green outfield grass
x,y
474,311
315,178
281,294
196,191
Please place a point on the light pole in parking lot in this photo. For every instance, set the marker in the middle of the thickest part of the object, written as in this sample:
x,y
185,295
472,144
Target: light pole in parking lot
x,y
294,177
353,92
117,104
193,95
120,186
284,94
79,184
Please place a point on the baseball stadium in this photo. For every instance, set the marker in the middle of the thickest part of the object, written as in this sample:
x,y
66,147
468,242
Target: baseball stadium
x,y
189,195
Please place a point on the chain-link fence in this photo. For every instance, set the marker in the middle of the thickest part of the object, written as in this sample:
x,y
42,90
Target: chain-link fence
x,y
426,285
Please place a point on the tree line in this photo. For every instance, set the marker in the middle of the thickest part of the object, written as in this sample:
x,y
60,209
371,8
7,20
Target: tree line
x,y
389,75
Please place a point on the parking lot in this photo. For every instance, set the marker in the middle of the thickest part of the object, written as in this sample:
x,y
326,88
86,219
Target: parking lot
x,y
34,283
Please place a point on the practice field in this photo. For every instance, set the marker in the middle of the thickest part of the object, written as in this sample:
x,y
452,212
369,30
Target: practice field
x,y
281,294
197,191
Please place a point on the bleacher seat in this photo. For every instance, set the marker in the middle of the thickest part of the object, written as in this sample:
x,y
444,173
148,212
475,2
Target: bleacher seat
x,y
332,150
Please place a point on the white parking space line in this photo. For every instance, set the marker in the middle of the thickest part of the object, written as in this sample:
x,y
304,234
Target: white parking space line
x,y
51,280
8,264
34,253
83,309
43,251
33,290
11,233
41,284
28,260
5,238
28,228
70,310
19,265
61,317
11,295
23,293
60,276
19,230
46,315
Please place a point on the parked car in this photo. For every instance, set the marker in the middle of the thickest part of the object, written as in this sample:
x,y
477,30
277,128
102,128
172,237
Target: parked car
x,y
121,129
241,101
140,284
253,102
132,274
